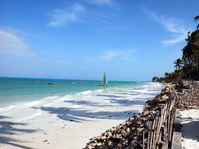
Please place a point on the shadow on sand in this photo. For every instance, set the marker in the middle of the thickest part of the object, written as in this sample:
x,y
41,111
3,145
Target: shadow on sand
x,y
87,103
76,115
7,129
81,114
190,130
125,100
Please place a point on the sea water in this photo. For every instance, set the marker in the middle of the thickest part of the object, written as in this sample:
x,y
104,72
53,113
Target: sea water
x,y
35,110
24,90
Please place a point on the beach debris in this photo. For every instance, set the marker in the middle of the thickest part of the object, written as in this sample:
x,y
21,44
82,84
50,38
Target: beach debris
x,y
45,141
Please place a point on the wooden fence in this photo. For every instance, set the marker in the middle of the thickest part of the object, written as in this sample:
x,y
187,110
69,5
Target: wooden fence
x,y
159,131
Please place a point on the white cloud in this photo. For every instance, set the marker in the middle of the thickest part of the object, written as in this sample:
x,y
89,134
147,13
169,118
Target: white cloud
x,y
76,13
101,2
60,17
13,45
125,55
175,40
173,25
21,33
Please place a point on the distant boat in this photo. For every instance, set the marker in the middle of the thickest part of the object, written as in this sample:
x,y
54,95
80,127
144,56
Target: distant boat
x,y
105,81
78,82
52,83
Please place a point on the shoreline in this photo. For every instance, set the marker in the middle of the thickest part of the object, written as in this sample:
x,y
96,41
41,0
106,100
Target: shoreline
x,y
70,123
156,125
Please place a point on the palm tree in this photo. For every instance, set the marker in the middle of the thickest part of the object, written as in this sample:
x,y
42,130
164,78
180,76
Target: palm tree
x,y
197,18
188,66
191,55
178,63
166,74
155,79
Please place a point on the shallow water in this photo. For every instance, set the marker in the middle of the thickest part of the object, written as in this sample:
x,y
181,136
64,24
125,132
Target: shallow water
x,y
17,90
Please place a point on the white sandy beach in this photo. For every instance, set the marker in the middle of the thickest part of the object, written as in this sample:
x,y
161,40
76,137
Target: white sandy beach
x,y
190,129
70,121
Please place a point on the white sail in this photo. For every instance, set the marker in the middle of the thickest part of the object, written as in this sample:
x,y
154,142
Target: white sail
x,y
105,80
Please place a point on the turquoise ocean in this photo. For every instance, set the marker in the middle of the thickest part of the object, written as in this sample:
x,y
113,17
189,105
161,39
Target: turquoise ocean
x,y
13,90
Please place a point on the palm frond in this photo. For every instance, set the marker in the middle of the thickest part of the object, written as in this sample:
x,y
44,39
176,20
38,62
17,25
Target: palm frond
x,y
196,18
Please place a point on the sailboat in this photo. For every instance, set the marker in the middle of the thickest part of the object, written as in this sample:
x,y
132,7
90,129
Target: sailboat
x,y
105,81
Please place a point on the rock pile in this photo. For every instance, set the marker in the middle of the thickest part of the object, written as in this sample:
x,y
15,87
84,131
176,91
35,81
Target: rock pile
x,y
134,132
188,98
163,97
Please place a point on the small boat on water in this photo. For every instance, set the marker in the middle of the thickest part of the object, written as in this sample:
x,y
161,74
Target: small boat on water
x,y
78,82
105,81
52,83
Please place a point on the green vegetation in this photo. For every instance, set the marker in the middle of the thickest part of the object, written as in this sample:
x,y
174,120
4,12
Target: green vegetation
x,y
187,67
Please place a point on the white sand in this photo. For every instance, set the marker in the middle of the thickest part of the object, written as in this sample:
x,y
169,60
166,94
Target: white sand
x,y
190,129
69,122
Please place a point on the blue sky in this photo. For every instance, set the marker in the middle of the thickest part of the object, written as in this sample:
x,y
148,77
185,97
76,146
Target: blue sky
x,y
81,39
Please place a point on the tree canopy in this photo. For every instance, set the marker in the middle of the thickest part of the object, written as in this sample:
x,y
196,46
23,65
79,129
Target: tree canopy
x,y
187,67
